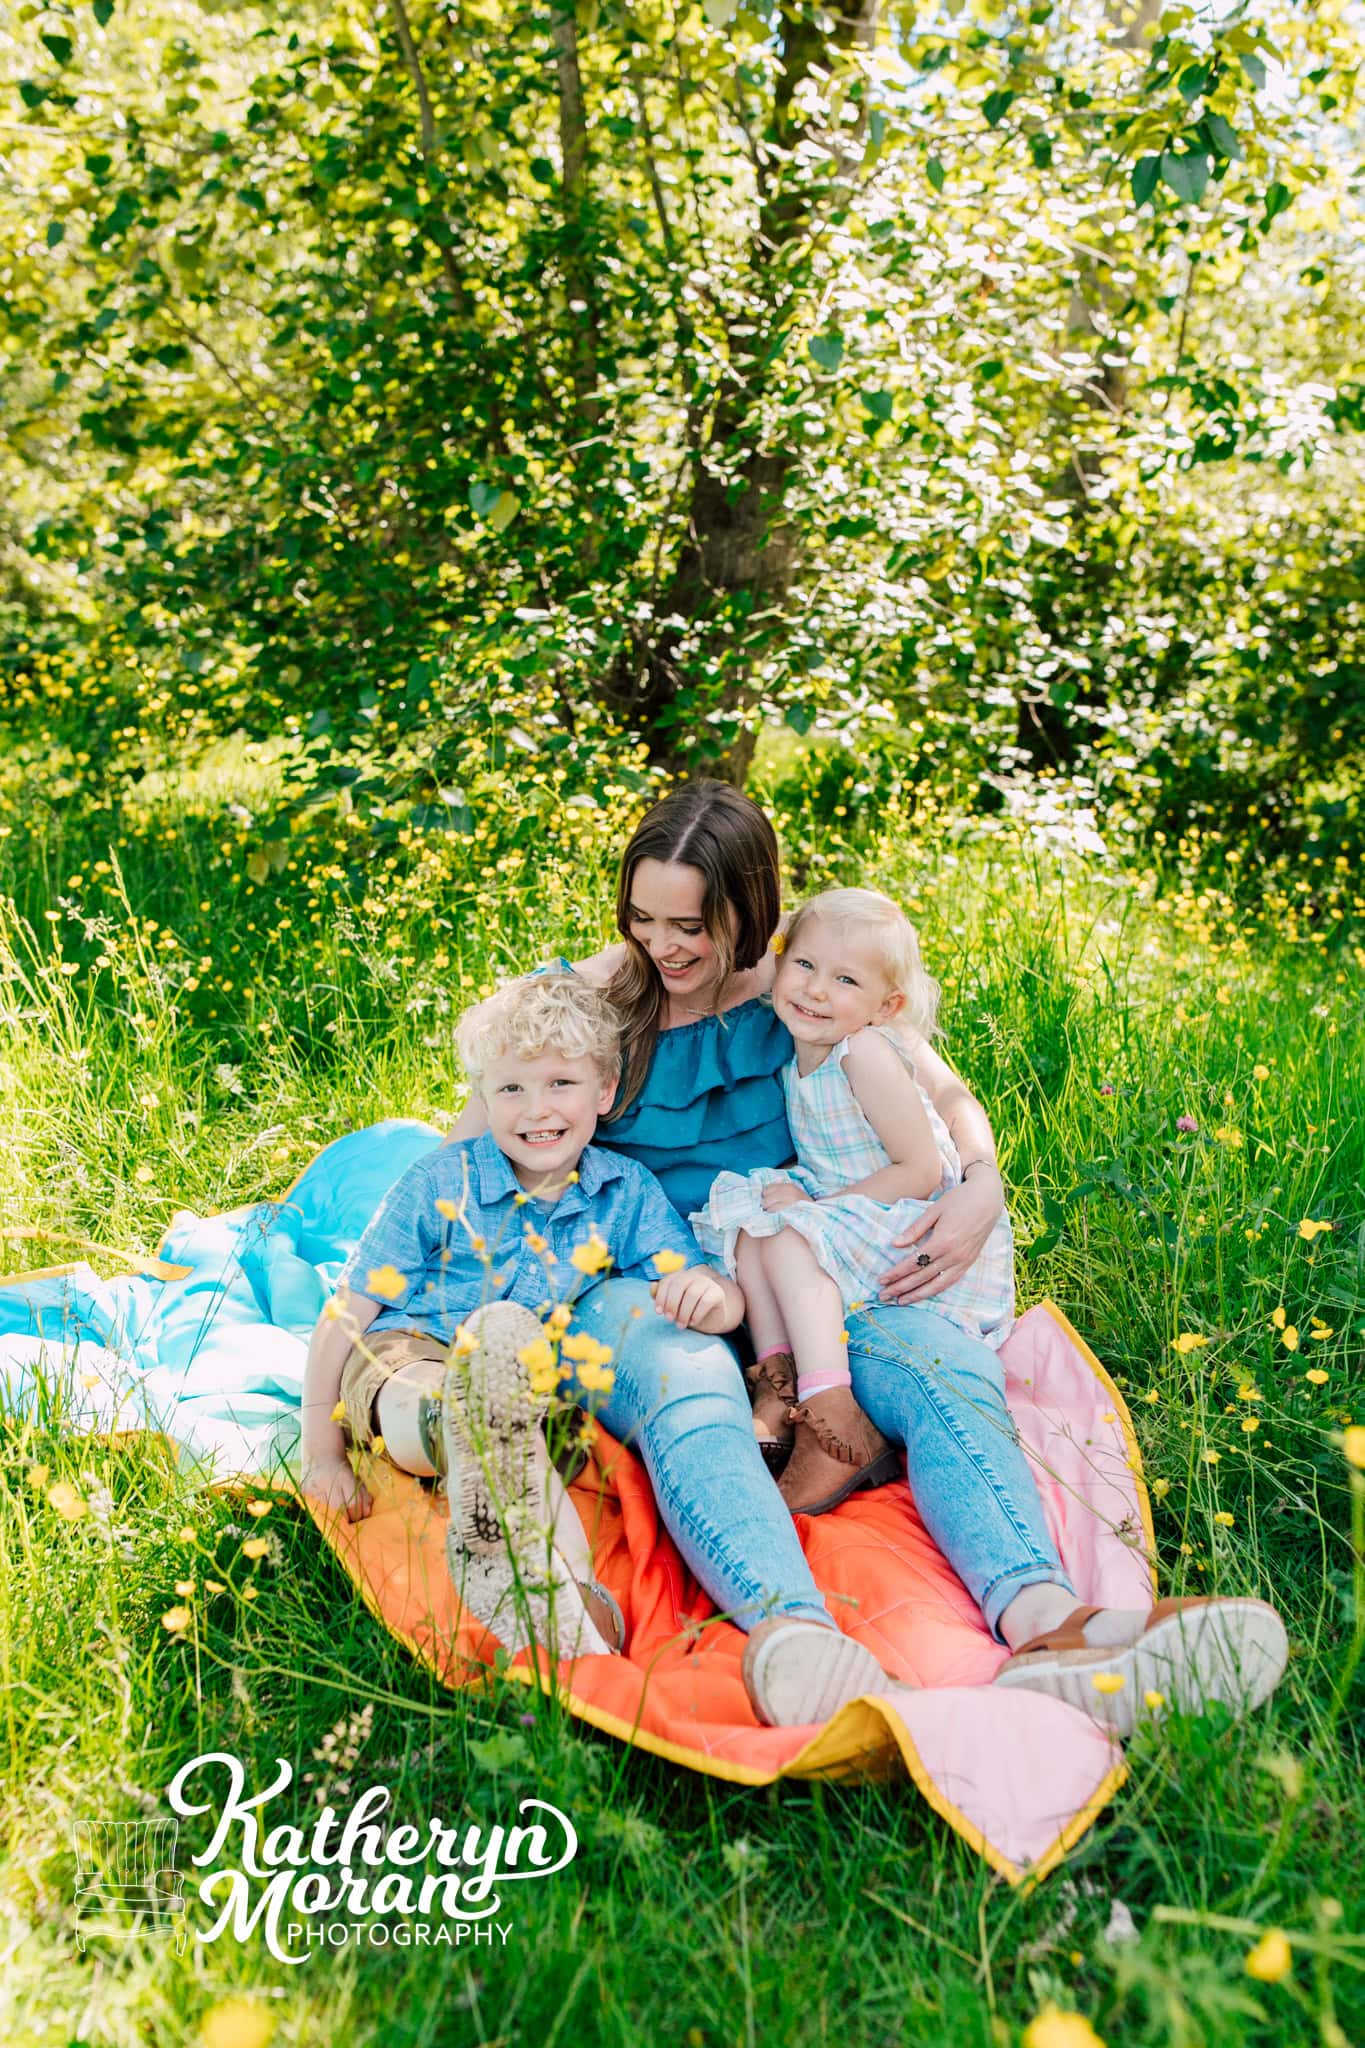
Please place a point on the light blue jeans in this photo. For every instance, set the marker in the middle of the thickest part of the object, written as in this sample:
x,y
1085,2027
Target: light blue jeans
x,y
680,1402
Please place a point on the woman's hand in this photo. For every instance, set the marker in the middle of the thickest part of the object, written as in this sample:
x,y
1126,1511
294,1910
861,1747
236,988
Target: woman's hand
x,y
781,1194
949,1237
332,1482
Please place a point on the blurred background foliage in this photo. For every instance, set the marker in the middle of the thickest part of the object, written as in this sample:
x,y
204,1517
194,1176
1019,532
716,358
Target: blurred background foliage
x,y
485,396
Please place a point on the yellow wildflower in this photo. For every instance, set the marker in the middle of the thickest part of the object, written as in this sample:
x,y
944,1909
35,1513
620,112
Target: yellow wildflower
x,y
38,1476
1353,1444
1159,1489
186,1535
1154,1700
596,1379
1189,1340
1308,1229
1224,1519
184,1587
1270,1961
338,1414
1108,1682
1289,1337
586,1350
1250,1424
248,1592
1317,1377
214,1586
779,942
559,1318
236,2023
592,1256
1260,1073
1054,2028
1212,1457
1277,1319
259,1508
1321,1331
176,1620
535,1242
255,1546
385,1281
1226,1135
445,1207
64,1500
538,1355
1152,1396
668,1262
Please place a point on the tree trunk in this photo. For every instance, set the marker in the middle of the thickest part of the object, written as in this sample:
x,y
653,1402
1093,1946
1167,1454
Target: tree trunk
x,y
739,557
573,150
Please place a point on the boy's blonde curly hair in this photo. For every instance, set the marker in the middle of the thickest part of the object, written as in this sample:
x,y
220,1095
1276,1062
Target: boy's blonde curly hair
x,y
540,1013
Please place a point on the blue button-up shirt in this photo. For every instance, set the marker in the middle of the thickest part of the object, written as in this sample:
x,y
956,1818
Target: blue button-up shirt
x,y
495,1248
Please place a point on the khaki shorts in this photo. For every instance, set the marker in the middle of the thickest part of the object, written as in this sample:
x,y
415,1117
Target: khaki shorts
x,y
376,1358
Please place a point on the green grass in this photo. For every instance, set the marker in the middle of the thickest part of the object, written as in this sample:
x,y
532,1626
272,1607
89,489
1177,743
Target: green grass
x,y
237,1024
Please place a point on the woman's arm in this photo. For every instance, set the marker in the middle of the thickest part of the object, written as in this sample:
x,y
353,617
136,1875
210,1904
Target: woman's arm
x,y
949,1238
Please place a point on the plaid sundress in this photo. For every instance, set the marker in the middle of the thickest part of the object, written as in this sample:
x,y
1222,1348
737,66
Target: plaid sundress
x,y
852,1237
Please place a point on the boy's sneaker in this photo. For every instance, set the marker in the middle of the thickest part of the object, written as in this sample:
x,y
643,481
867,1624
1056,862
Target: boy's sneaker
x,y
499,1544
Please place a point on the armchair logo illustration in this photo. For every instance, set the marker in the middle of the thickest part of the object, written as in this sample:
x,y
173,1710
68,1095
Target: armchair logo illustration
x,y
126,1879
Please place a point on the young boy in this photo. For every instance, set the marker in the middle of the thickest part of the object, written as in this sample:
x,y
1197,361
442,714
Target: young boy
x,y
475,1246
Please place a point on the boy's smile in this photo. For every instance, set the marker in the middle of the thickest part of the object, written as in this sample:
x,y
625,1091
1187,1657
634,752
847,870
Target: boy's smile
x,y
542,1112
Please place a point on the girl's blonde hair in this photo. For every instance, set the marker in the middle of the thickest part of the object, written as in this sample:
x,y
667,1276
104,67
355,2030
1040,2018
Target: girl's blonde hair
x,y
540,1013
875,916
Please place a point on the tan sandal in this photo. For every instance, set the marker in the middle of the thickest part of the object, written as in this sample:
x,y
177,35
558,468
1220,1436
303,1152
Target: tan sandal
x,y
772,1390
837,1452
1187,1654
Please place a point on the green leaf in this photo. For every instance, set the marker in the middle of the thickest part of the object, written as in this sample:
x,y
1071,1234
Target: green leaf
x,y
933,170
1223,136
1040,149
1186,175
103,11
996,105
1253,67
1146,173
32,95
826,349
504,512
720,13
60,46
1192,82
800,717
878,403
482,498
1277,197
56,232
542,170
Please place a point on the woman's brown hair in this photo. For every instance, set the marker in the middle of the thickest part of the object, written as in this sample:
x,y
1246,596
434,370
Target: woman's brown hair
x,y
729,839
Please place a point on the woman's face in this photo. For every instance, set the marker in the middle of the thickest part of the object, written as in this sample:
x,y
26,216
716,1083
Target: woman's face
x,y
664,916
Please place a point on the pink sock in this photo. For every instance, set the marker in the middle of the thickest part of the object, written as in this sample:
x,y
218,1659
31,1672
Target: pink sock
x,y
808,1384
774,1351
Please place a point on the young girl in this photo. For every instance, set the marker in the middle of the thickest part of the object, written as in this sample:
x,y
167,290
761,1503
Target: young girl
x,y
810,1242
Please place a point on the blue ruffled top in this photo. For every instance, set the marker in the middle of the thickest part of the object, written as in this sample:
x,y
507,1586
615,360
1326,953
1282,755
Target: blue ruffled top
x,y
713,1098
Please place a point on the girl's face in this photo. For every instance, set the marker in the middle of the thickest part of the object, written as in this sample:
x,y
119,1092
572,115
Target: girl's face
x,y
831,983
664,916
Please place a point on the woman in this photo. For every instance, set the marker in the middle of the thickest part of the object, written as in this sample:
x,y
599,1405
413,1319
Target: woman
x,y
698,906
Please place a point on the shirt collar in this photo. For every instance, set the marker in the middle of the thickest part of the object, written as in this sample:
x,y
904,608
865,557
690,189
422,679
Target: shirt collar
x,y
498,1183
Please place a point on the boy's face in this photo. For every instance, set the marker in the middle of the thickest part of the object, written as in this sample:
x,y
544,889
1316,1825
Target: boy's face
x,y
543,1111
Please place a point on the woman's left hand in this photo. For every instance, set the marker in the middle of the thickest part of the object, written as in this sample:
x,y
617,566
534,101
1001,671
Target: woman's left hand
x,y
949,1238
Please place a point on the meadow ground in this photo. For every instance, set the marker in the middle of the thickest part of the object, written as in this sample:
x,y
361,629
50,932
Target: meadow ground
x,y
190,1011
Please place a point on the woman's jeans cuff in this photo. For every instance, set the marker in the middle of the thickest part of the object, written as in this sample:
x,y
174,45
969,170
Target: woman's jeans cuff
x,y
1001,1591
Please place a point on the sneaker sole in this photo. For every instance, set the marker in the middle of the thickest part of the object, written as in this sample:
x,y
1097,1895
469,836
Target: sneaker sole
x,y
498,1551
1233,1651
793,1679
